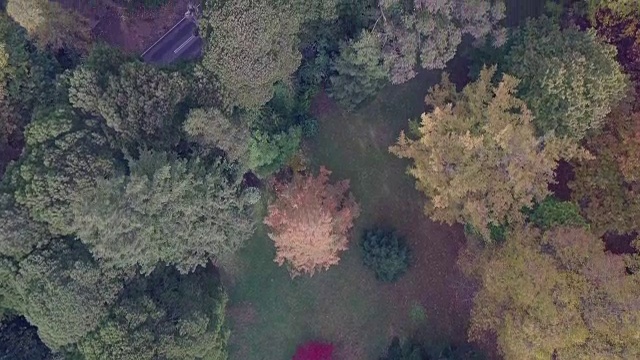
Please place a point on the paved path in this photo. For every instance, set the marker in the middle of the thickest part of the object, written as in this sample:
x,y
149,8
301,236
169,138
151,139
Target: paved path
x,y
179,43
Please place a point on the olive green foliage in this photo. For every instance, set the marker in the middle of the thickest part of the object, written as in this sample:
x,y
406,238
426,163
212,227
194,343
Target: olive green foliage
x,y
250,45
50,24
64,154
551,213
180,212
138,102
269,152
477,157
165,315
63,292
556,293
19,235
212,129
428,32
385,253
619,7
360,71
569,78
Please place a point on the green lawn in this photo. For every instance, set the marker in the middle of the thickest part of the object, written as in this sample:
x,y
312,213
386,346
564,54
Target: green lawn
x,y
271,313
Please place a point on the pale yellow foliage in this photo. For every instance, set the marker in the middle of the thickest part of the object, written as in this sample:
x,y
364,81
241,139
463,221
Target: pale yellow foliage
x,y
477,158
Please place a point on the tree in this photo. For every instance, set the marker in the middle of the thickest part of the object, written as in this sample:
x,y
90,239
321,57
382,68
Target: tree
x,y
310,220
19,235
138,102
169,210
385,253
404,350
580,83
250,45
269,152
428,32
212,129
619,7
51,25
19,341
64,155
314,350
551,213
164,315
607,188
584,305
360,71
64,292
477,157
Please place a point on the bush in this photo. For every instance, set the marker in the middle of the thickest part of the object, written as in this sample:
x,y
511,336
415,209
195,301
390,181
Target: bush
x,y
385,253
313,350
551,213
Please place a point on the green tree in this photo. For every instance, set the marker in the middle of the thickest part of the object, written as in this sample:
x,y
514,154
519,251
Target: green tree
x,y
360,71
269,152
169,210
570,79
64,292
404,350
210,128
19,235
49,24
64,155
477,157
164,315
250,45
139,101
385,253
552,212
557,294
428,32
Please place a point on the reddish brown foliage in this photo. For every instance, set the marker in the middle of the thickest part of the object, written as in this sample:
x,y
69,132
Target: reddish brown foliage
x,y
624,33
608,187
314,351
309,221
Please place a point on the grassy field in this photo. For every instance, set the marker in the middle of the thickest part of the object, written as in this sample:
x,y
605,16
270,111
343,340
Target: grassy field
x,y
346,305
271,313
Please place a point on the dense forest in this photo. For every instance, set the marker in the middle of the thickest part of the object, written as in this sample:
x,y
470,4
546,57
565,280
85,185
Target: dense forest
x,y
330,179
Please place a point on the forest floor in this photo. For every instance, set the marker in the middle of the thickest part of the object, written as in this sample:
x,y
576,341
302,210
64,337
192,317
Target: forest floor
x,y
271,313
132,30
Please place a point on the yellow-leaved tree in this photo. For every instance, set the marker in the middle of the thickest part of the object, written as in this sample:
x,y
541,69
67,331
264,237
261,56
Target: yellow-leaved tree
x,y
477,157
556,295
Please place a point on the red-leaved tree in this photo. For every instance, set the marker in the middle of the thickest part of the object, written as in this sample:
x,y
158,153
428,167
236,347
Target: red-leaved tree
x,y
314,351
309,221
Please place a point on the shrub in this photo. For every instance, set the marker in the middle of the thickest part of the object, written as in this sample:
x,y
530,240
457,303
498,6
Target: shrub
x,y
551,213
385,253
313,350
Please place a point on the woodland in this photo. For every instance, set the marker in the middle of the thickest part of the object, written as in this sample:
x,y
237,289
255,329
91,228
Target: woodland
x,y
330,180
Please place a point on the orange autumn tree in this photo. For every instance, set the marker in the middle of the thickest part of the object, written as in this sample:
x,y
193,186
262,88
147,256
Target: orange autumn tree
x,y
309,222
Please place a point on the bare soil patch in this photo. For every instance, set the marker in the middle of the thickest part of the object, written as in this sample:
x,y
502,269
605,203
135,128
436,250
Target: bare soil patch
x,y
132,30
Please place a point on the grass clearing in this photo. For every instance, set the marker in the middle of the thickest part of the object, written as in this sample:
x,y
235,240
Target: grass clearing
x,y
271,313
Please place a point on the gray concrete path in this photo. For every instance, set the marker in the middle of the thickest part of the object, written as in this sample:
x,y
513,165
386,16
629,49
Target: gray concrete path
x,y
178,44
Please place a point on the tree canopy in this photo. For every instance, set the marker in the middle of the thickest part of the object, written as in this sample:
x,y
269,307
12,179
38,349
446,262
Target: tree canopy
x,y
585,303
309,221
164,315
569,78
180,212
250,45
477,157
49,24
